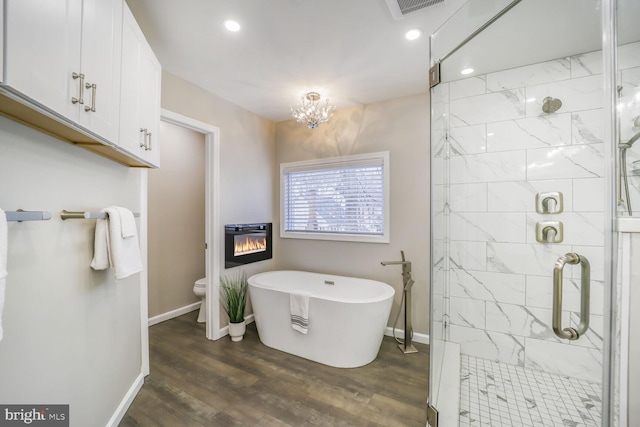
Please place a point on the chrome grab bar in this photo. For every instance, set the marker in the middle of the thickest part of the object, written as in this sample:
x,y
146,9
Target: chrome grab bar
x,y
585,294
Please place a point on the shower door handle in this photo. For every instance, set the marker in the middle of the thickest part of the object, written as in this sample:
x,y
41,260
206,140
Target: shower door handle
x,y
585,295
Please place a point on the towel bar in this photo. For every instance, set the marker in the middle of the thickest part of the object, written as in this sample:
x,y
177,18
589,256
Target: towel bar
x,y
21,215
65,214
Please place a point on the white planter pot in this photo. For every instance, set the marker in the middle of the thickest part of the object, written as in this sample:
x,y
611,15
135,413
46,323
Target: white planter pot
x,y
237,330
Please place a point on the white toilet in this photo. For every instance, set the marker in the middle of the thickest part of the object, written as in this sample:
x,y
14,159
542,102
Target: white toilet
x,y
200,290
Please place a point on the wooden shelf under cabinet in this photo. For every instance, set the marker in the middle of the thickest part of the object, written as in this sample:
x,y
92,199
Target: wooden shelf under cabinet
x,y
43,121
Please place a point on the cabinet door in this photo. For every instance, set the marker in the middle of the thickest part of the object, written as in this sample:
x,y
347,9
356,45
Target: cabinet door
x,y
100,64
140,94
42,51
131,134
151,73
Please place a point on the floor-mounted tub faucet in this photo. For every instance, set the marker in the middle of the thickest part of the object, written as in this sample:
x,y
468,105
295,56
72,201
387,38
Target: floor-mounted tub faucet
x,y
407,282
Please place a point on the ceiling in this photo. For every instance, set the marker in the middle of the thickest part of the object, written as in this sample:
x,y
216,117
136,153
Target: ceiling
x,y
351,51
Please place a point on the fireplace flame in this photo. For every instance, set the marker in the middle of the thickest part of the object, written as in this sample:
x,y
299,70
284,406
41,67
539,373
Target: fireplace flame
x,y
249,245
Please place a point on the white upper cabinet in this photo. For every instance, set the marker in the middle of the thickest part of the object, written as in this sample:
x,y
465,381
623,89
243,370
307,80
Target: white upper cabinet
x,y
42,50
140,94
65,56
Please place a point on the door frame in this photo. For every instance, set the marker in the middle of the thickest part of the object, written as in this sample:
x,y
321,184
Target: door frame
x,y
213,239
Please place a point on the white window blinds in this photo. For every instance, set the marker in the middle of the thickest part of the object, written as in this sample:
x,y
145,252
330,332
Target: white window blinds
x,y
336,196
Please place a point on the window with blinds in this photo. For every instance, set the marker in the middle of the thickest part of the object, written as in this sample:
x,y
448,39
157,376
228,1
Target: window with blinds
x,y
342,198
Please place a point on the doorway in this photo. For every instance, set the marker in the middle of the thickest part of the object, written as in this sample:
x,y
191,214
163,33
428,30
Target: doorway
x,y
176,223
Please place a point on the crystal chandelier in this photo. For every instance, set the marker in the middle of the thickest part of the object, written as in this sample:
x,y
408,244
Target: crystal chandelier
x,y
310,112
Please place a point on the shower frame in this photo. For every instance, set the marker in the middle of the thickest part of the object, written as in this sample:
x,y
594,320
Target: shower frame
x,y
612,371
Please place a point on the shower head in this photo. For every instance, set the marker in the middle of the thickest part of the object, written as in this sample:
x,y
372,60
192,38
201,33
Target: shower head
x,y
551,105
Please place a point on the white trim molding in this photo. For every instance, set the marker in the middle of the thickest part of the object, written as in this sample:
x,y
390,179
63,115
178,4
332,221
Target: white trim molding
x,y
417,337
174,313
144,276
122,408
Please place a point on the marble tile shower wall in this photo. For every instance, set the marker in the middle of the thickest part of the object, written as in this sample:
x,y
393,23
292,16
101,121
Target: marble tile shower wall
x,y
492,279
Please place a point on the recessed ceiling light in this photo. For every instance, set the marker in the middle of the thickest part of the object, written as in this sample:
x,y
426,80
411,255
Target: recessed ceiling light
x,y
232,25
413,34
466,71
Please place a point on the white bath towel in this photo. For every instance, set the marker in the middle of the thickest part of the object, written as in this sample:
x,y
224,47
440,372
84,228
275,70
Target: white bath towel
x,y
112,249
299,307
3,263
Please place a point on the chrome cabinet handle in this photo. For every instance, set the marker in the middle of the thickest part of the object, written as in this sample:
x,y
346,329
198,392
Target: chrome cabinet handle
x,y
80,98
149,148
585,295
94,89
143,143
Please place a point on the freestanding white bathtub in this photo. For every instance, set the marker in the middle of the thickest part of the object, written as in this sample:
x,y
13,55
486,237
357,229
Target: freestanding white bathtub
x,y
347,319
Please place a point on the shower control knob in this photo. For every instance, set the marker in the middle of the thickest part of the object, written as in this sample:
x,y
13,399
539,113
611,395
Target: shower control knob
x,y
549,203
549,232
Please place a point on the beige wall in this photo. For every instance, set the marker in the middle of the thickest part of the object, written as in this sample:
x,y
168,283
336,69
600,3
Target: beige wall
x,y
247,157
71,334
176,199
400,126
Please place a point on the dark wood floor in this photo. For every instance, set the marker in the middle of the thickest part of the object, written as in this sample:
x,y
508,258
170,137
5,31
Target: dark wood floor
x,y
197,382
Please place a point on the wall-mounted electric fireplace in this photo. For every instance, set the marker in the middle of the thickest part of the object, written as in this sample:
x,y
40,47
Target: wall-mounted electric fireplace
x,y
246,243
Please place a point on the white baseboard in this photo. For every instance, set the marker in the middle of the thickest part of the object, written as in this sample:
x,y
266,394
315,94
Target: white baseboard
x,y
126,401
417,337
173,313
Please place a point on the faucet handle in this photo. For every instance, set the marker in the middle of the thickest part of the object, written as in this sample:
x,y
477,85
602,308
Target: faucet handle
x,y
409,284
549,231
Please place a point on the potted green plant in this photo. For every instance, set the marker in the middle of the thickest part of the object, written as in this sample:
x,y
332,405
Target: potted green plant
x,y
233,298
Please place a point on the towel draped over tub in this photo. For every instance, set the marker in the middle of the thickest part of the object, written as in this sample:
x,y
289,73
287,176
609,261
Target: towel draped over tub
x,y
299,306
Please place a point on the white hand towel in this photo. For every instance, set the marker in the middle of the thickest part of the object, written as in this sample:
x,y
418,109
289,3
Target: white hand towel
x,y
101,256
111,249
127,222
299,307
3,263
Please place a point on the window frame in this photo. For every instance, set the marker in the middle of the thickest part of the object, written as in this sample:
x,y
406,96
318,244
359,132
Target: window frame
x,y
381,157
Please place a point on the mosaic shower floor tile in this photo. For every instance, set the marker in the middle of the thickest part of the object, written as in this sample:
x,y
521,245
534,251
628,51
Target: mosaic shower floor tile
x,y
500,395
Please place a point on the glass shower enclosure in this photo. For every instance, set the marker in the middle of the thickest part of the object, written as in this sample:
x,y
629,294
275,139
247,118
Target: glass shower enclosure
x,y
525,191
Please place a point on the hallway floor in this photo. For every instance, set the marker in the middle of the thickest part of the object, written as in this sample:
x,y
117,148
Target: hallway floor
x,y
197,382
